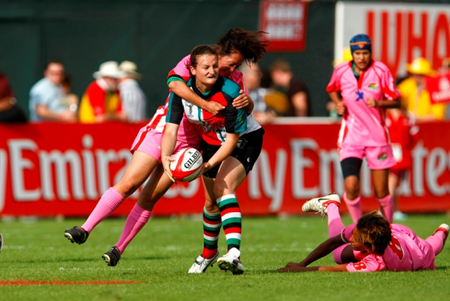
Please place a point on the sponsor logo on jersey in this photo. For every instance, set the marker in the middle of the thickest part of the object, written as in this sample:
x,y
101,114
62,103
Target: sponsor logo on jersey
x,y
382,157
373,87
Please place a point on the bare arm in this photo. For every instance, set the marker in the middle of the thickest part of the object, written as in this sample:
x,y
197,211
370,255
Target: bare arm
x,y
223,152
168,143
244,101
322,250
43,112
340,106
372,103
295,267
181,89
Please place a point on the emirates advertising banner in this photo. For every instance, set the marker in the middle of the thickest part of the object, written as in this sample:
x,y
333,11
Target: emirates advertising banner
x,y
400,32
51,169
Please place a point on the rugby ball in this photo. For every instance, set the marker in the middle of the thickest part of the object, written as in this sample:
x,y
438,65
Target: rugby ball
x,y
187,165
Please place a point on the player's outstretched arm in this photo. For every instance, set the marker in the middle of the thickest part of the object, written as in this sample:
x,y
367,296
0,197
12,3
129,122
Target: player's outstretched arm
x,y
322,250
295,267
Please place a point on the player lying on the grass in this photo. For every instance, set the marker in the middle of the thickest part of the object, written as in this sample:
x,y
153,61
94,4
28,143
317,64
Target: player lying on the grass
x,y
370,245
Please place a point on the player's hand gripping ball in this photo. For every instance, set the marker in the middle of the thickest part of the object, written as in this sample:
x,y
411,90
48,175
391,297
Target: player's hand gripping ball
x,y
187,165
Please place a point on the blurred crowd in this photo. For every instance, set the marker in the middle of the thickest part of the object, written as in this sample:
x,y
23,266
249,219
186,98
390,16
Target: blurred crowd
x,y
113,95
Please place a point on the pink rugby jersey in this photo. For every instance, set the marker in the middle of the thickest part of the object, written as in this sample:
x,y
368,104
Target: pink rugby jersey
x,y
362,125
187,132
406,252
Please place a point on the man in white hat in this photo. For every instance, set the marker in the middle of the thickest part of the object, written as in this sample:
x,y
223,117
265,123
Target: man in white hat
x,y
133,98
101,101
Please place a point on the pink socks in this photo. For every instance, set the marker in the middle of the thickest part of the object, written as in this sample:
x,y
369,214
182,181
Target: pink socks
x,y
437,240
387,207
354,207
335,227
109,202
136,220
335,224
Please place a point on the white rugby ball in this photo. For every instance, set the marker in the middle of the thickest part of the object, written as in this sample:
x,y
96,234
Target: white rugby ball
x,y
187,164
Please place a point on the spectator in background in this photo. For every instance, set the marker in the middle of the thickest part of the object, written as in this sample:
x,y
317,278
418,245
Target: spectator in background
x,y
101,101
296,91
47,98
131,94
414,95
402,132
72,99
445,69
252,76
10,111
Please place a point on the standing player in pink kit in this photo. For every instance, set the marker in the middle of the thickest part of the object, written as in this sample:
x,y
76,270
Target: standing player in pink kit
x,y
370,245
362,90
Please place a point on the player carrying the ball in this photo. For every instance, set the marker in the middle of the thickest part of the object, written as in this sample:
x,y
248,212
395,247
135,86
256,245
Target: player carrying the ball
x,y
238,45
231,144
370,245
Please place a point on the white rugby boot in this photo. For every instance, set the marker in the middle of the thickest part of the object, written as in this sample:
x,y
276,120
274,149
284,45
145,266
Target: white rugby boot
x,y
231,262
320,204
201,264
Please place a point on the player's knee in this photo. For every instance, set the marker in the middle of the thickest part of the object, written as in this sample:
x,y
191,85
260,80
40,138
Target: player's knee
x,y
126,187
220,189
211,207
381,193
352,191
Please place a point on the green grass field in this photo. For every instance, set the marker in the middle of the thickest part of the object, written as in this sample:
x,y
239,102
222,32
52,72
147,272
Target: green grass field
x,y
158,260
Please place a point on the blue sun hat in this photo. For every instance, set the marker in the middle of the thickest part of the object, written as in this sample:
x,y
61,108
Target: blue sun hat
x,y
359,42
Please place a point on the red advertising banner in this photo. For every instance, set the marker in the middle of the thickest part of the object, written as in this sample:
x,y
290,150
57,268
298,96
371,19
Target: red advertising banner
x,y
439,88
51,169
400,31
285,23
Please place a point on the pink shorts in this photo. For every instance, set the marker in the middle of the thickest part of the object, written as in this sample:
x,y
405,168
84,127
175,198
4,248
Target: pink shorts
x,y
378,157
149,142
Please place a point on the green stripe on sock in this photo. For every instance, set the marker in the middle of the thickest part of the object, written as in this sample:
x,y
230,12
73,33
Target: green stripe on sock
x,y
209,229
229,201
210,242
231,221
233,241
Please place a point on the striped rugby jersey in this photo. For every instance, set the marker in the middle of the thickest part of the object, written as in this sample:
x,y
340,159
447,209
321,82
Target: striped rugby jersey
x,y
213,128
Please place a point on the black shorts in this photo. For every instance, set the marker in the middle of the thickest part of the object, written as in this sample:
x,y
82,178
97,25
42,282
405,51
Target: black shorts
x,y
246,151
